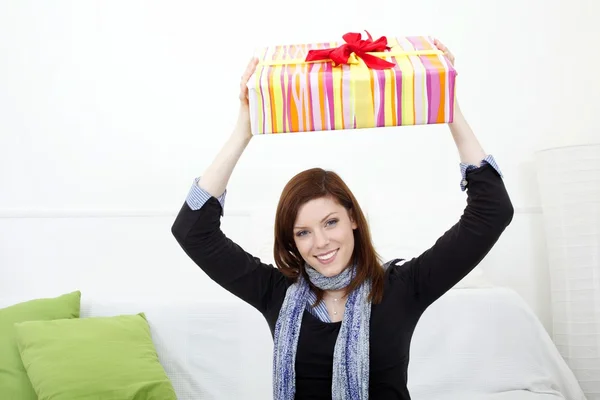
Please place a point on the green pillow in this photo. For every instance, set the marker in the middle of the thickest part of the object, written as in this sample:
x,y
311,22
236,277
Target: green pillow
x,y
93,358
14,383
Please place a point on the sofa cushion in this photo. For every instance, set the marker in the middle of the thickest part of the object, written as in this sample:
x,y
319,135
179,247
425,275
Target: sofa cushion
x,y
14,383
214,349
93,358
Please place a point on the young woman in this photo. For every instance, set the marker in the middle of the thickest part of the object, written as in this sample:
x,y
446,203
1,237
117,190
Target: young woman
x,y
341,321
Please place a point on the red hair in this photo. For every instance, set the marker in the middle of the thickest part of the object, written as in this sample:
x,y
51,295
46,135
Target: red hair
x,y
313,184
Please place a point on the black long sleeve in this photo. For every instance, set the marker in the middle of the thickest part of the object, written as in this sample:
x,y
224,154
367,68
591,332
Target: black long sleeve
x,y
199,234
460,249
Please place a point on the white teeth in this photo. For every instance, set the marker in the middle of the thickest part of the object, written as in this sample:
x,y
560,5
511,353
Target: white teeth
x,y
327,256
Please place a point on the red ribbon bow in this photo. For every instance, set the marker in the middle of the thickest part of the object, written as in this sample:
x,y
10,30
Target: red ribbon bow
x,y
354,44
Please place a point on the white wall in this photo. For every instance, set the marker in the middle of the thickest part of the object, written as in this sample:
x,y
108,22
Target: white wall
x,y
108,110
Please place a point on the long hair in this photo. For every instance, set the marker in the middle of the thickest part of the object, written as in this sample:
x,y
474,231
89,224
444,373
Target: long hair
x,y
313,184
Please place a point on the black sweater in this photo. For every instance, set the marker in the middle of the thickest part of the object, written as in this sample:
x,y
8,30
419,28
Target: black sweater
x,y
410,287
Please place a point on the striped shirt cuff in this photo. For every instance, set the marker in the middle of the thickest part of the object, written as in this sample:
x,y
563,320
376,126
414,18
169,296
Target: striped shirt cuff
x,y
464,168
197,197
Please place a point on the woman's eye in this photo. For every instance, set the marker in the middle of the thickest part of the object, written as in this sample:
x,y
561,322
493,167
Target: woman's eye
x,y
332,222
300,233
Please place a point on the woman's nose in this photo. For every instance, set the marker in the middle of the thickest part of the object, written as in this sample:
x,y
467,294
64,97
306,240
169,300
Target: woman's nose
x,y
321,239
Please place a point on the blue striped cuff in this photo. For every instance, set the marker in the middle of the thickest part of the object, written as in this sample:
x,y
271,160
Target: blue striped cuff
x,y
464,168
197,197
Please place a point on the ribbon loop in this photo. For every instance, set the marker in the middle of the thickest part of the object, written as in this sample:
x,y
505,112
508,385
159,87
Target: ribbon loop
x,y
357,45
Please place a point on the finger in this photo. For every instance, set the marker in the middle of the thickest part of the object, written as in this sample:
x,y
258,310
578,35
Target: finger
x,y
250,68
243,88
441,47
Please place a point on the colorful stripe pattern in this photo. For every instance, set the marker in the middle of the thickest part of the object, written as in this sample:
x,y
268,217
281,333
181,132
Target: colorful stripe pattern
x,y
318,96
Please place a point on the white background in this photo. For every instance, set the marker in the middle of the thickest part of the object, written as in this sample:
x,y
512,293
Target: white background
x,y
108,110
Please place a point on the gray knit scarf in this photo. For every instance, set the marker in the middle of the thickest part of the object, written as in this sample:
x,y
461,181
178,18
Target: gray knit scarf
x,y
351,352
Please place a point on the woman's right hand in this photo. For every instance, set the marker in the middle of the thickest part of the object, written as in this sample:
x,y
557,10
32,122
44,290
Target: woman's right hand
x,y
243,124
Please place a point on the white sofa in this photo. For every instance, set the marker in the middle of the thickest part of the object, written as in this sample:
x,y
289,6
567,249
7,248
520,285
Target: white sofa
x,y
482,343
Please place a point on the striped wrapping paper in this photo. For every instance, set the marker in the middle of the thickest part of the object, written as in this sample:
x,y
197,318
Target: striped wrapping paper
x,y
289,96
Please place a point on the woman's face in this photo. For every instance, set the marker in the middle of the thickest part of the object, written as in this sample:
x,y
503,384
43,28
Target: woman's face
x,y
324,235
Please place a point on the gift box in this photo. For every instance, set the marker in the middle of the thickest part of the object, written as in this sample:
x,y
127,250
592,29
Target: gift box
x,y
351,84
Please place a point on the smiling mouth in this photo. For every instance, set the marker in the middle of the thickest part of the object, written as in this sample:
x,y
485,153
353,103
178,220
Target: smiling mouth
x,y
327,256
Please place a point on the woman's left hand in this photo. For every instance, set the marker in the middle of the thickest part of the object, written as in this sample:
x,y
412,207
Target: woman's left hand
x,y
444,49
440,46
